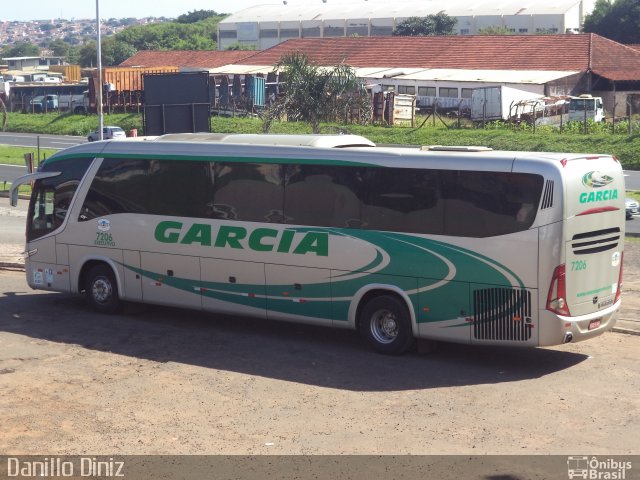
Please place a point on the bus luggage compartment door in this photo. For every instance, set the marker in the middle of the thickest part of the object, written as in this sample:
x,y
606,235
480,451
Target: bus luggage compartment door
x,y
172,280
234,287
302,294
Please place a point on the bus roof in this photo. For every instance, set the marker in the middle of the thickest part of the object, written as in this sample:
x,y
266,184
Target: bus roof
x,y
333,149
319,141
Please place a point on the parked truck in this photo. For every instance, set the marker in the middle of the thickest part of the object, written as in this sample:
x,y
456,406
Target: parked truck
x,y
76,103
586,107
496,103
43,103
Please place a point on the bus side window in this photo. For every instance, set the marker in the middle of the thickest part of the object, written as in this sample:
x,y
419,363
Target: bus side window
x,y
250,192
42,221
323,195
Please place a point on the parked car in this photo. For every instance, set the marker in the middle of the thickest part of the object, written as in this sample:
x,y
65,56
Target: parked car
x,y
107,133
631,207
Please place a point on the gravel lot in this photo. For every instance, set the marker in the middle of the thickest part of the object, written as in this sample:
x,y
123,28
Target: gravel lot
x,y
157,380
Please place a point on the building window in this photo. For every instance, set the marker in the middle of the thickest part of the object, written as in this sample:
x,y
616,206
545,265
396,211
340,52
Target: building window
x,y
388,88
427,91
464,31
333,31
381,31
289,33
466,92
229,34
523,30
448,92
311,32
269,33
359,31
407,89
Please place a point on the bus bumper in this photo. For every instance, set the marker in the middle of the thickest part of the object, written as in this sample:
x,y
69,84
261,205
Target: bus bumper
x,y
556,329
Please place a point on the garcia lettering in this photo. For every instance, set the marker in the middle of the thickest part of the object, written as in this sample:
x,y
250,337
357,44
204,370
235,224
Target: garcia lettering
x,y
599,196
258,240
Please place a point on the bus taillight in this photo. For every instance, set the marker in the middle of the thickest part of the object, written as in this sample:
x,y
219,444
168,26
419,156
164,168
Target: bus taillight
x,y
557,297
619,290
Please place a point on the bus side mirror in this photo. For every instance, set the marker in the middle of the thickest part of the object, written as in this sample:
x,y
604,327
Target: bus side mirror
x,y
14,196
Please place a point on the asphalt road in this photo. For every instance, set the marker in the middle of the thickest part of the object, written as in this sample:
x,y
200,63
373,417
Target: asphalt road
x,y
13,222
46,141
8,173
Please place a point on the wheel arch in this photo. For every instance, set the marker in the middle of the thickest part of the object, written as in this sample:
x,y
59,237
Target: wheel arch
x,y
89,263
371,291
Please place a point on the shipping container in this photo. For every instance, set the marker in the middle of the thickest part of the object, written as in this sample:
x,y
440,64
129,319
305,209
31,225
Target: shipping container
x,y
71,73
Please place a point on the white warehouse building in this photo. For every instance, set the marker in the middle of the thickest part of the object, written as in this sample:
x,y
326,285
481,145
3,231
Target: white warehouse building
x,y
264,26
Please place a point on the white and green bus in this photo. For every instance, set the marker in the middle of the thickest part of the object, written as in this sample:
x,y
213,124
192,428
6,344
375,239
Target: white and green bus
x,y
464,245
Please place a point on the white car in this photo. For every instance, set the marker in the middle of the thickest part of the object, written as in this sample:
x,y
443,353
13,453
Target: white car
x,y
107,133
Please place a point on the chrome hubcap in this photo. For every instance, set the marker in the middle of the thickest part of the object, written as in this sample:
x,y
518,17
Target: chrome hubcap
x,y
101,289
384,327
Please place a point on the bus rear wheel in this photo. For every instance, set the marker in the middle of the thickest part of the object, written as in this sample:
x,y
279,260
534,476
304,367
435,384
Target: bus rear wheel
x,y
101,289
385,324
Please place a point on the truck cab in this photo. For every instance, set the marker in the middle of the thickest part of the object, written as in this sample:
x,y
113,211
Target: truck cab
x,y
586,107
43,103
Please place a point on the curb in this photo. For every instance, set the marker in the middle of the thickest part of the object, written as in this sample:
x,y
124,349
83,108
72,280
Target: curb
x,y
11,266
626,331
21,196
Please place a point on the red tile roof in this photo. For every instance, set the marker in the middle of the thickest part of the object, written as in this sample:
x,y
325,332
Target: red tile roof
x,y
503,52
614,60
186,58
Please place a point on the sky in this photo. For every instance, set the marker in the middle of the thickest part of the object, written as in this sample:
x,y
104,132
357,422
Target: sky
x,y
49,9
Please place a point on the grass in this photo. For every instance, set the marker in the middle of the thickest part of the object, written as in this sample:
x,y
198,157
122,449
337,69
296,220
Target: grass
x,y
15,155
633,194
68,123
625,147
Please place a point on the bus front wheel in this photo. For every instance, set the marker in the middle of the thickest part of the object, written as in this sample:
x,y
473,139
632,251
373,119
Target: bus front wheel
x,y
102,290
385,324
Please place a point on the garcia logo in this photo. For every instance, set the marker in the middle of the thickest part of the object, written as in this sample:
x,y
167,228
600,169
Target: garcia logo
x,y
104,225
596,179
583,467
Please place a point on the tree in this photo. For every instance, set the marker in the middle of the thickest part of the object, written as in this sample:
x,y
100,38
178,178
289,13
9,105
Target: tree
x,y
438,24
618,20
196,16
22,49
59,47
88,55
313,93
240,46
115,52
495,30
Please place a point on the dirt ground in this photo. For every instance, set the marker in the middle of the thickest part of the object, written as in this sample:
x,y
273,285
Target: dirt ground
x,y
164,381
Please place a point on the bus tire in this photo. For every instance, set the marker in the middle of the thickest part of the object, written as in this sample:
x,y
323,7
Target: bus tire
x,y
385,324
101,289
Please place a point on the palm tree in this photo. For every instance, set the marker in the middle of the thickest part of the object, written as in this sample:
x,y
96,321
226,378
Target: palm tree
x,y
313,93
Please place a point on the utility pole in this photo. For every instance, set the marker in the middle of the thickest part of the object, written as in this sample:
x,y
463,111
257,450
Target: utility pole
x,y
99,87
